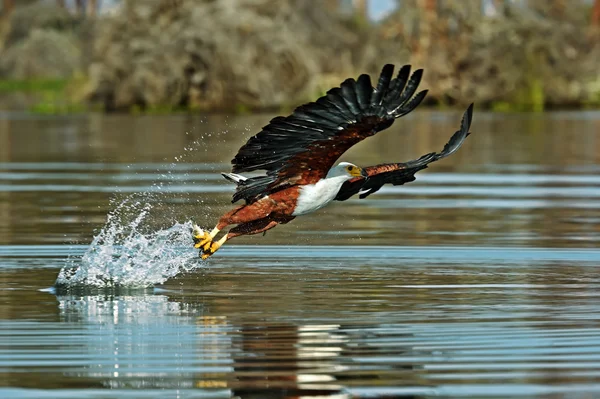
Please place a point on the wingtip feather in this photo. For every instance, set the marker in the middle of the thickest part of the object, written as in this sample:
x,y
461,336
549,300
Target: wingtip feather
x,y
383,83
469,116
465,123
401,96
459,137
404,72
364,91
387,70
413,103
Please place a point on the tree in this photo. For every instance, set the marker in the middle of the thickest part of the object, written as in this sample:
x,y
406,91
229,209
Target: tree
x,y
361,7
596,13
7,7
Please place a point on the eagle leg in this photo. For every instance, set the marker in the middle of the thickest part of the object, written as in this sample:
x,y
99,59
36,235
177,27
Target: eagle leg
x,y
237,215
253,227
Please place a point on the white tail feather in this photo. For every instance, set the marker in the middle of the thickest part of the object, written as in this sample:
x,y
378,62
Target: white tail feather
x,y
234,177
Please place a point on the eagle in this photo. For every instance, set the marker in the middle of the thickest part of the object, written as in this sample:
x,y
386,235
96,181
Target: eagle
x,y
294,156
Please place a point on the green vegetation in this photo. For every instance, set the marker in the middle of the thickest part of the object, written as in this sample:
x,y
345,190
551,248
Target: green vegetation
x,y
48,96
529,98
33,86
56,103
45,96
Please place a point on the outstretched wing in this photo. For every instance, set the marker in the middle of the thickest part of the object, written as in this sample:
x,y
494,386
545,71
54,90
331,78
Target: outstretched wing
x,y
302,147
400,173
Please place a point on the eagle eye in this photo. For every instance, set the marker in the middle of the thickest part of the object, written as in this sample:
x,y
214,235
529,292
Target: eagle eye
x,y
350,168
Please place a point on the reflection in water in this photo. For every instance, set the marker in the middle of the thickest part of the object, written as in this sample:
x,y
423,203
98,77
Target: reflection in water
x,y
141,341
151,342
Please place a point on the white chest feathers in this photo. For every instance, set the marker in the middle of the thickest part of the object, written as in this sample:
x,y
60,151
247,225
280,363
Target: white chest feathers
x,y
316,196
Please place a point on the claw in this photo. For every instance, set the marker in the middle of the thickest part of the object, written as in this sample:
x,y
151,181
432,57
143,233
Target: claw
x,y
203,243
201,238
213,247
209,250
205,246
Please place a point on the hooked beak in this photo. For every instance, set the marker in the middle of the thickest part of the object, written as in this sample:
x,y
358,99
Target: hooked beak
x,y
364,173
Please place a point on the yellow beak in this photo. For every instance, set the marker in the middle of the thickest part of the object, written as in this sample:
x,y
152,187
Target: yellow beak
x,y
358,172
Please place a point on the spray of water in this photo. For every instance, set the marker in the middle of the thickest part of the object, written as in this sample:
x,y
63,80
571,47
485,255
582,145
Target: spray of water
x,y
123,255
129,252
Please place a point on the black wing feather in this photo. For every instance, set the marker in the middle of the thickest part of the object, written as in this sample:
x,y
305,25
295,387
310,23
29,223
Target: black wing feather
x,y
364,92
409,90
412,104
398,84
401,173
337,99
351,112
349,96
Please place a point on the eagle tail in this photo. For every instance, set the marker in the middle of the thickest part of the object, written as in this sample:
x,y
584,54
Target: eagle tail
x,y
234,177
250,189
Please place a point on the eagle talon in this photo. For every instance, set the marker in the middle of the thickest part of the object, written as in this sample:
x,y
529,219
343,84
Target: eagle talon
x,y
205,246
212,247
209,249
201,238
202,243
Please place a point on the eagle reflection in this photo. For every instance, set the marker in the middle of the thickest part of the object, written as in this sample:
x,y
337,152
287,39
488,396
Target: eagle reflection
x,y
154,342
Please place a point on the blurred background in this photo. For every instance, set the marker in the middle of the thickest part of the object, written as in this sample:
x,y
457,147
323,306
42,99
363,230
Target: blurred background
x,y
245,55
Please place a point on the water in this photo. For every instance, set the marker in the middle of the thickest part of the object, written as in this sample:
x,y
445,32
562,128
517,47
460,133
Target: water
x,y
480,279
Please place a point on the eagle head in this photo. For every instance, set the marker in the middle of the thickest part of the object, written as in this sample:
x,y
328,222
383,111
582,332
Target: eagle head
x,y
347,170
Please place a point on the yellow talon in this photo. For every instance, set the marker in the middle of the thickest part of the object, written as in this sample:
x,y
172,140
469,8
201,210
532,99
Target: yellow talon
x,y
202,242
213,247
201,238
206,246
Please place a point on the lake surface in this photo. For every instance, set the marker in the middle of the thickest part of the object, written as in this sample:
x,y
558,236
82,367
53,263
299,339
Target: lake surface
x,y
480,279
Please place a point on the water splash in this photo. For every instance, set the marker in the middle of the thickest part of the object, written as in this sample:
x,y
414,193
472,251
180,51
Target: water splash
x,y
129,252
124,255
